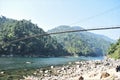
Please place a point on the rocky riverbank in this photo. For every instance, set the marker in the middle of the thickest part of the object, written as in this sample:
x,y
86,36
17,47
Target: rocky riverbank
x,y
82,70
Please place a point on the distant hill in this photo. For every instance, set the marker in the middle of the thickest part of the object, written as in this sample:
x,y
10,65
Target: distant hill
x,y
82,43
114,50
43,46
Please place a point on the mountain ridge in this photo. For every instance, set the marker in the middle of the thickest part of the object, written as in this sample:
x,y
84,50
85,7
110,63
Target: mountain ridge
x,y
67,44
43,46
88,40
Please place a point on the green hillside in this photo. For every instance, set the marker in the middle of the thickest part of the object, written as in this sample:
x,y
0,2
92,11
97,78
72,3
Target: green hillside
x,y
114,50
43,46
82,43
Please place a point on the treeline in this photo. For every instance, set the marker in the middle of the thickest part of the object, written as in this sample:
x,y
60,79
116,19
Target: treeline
x,y
43,46
69,44
114,50
82,43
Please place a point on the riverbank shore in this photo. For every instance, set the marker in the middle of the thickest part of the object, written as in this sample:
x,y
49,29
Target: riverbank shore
x,y
80,70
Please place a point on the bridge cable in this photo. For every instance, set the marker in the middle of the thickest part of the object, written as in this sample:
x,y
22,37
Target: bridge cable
x,y
61,32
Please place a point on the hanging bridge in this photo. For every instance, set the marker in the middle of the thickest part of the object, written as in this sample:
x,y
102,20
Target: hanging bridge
x,y
61,32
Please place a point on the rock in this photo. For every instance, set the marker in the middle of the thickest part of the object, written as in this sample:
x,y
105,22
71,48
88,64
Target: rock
x,y
28,62
92,75
41,71
70,63
83,70
35,73
81,78
46,71
77,66
104,75
106,64
77,62
52,67
62,68
2,72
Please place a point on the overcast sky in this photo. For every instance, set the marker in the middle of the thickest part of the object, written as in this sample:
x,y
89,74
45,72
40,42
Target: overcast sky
x,y
48,14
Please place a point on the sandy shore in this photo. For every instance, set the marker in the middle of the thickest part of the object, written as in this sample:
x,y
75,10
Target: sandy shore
x,y
82,70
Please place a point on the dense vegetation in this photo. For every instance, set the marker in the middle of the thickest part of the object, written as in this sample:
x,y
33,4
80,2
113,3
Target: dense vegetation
x,y
76,44
42,46
82,43
114,50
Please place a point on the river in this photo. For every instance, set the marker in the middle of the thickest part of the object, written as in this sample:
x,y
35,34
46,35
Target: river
x,y
21,63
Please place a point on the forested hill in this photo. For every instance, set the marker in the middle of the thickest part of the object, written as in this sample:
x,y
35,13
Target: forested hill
x,y
43,46
114,50
82,43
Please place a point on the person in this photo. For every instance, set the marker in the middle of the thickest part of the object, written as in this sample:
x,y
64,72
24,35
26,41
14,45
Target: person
x,y
117,68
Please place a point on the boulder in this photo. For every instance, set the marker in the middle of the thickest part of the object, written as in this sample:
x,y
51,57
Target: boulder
x,y
81,78
104,75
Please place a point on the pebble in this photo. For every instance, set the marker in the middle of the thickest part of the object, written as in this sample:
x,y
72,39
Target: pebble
x,y
28,62
2,72
52,67
92,70
46,71
77,62
81,78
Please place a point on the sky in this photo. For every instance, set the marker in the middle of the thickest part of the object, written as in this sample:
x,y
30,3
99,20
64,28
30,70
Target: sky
x,y
48,14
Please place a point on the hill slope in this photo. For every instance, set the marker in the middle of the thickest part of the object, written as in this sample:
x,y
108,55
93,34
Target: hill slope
x,y
42,46
82,43
114,50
